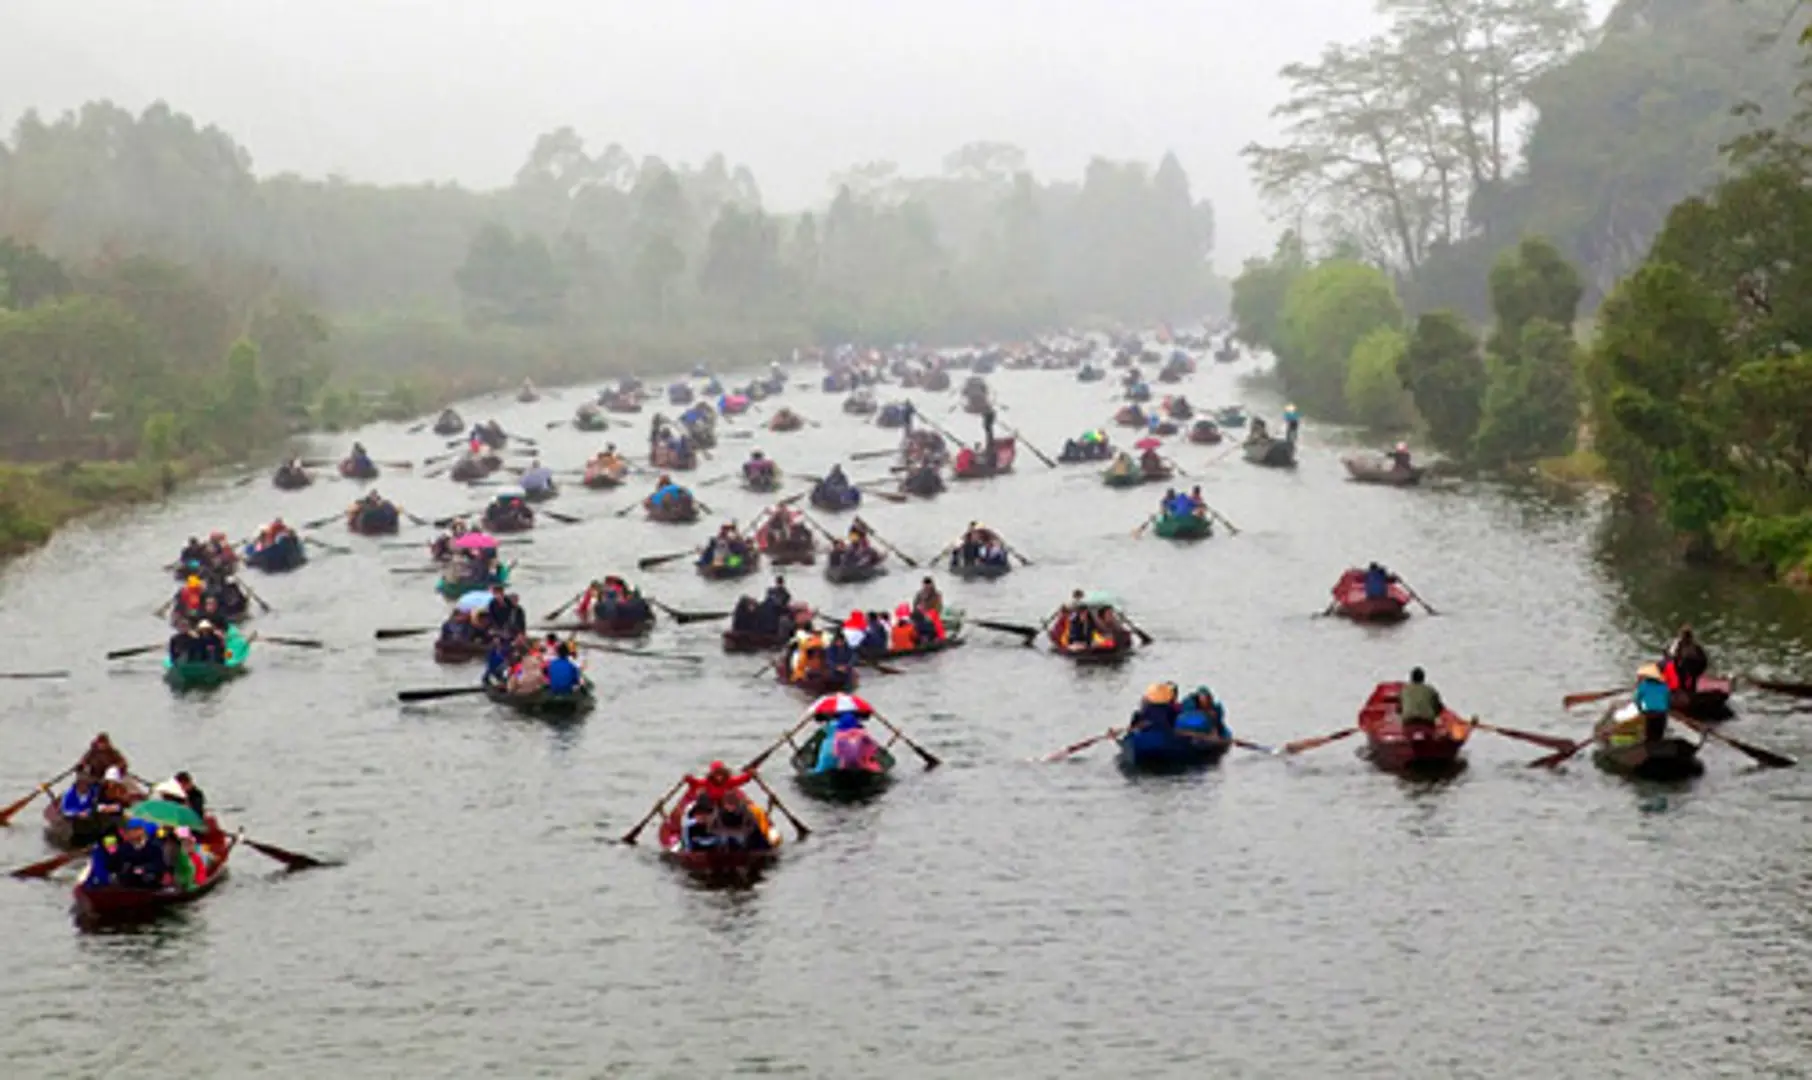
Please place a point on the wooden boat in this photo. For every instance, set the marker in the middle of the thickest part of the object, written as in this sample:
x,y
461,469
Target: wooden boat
x,y
455,588
590,417
67,834
367,519
936,379
1413,749
1232,416
600,476
449,423
291,479
1091,653
1089,373
1226,354
1138,392
1205,432
788,553
1129,416
1142,472
862,403
471,467
1177,408
528,395
358,470
970,465
976,406
1271,453
679,394
202,674
491,434
761,482
720,865
839,784
283,554
1709,701
541,494
818,683
669,459
835,501
1162,750
732,568
621,622
544,703
1165,428
455,651
113,904
952,639
1350,601
620,401
1671,760
785,420
979,570
851,573
892,415
498,519
750,641
1183,527
1365,470
678,512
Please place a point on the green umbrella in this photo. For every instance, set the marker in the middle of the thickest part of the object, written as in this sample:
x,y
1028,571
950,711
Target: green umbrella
x,y
165,812
1100,598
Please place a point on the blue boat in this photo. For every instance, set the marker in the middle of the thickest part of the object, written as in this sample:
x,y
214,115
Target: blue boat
x,y
1156,749
280,556
836,500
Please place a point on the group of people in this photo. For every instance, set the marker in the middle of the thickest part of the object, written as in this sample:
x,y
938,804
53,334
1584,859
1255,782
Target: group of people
x,y
718,815
760,471
509,512
612,600
668,496
1682,665
608,463
1092,446
372,512
857,550
775,615
1198,714
1177,504
215,557
140,853
218,599
200,642
522,665
823,658
835,490
980,546
670,449
1086,627
907,629
728,552
783,527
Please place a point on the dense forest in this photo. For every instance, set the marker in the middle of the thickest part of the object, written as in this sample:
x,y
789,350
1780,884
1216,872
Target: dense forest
x,y
144,255
1669,174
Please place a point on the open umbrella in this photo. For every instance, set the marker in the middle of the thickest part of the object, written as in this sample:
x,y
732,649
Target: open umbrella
x,y
508,493
832,704
476,600
1148,444
1100,598
164,812
475,541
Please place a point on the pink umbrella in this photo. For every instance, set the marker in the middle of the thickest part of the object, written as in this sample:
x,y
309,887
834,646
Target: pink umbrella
x,y
832,704
1148,444
475,541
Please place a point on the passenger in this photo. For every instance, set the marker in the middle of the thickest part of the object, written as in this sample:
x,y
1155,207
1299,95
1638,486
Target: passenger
x,y
1654,701
563,676
139,863
1419,704
209,647
182,645
1204,715
1158,708
1689,660
928,598
82,798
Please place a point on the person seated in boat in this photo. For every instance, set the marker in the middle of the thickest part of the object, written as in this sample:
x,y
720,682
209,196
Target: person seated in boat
x,y
190,596
1257,433
969,549
1419,703
563,675
839,657
1292,422
1378,581
497,661
1078,622
230,598
722,787
847,746
194,553
1399,458
138,862
361,461
1123,465
839,553
904,635
758,467
1654,700
928,598
457,629
1202,715
209,646
183,789
537,477
807,655
189,870
1157,708
182,644
505,613
667,493
1198,506
82,799
1687,660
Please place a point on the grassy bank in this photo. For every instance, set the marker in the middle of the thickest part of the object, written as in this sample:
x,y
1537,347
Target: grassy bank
x,y
36,499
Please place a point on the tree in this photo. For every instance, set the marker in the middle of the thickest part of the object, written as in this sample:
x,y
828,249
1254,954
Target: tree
x,y
1531,282
1260,289
742,258
1375,395
1327,312
1531,405
28,276
511,280
1445,376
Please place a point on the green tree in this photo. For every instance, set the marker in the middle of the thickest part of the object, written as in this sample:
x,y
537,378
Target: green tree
x,y
1375,395
1530,282
1531,407
1260,289
1445,376
1329,310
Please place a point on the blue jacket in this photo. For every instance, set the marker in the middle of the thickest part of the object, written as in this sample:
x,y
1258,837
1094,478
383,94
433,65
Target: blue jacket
x,y
75,804
1213,722
670,493
1156,715
1377,583
1653,696
563,676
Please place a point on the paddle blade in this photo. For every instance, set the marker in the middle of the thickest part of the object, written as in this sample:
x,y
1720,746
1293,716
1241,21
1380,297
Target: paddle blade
x,y
290,859
1552,742
1301,745
137,650
402,631
438,693
7,812
1587,698
51,865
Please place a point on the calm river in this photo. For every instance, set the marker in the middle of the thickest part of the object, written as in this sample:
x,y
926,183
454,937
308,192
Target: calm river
x,y
1310,918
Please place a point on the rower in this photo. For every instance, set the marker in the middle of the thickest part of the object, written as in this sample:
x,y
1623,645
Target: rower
x,y
196,799
778,597
82,798
1688,659
1258,432
1197,504
928,598
1292,420
1078,621
718,785
138,863
1158,708
757,466
1653,701
1419,704
563,675
1399,458
1378,581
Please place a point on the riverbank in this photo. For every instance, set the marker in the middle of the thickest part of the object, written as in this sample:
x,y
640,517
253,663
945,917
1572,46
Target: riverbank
x,y
36,500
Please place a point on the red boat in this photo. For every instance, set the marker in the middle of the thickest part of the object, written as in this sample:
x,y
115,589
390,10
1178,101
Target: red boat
x,y
1709,701
115,904
719,864
970,465
1416,749
1350,601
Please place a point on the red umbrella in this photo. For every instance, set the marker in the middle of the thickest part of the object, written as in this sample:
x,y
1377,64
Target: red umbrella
x,y
832,704
1148,444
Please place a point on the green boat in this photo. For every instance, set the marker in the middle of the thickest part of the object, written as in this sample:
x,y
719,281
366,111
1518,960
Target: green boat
x,y
1184,527
453,590
839,784
545,704
198,674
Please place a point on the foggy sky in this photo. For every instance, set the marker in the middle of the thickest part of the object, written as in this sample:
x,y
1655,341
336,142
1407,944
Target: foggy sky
x,y
412,90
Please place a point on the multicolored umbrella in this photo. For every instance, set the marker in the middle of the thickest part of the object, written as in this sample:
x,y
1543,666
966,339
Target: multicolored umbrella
x,y
475,541
154,812
833,704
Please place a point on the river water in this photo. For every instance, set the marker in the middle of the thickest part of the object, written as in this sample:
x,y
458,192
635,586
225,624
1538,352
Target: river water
x,y
1307,918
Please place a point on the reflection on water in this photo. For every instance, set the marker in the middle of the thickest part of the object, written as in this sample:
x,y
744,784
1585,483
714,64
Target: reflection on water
x,y
1268,918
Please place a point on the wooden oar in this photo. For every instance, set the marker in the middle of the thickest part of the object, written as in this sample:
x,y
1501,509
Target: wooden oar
x,y
1039,454
438,693
1572,700
325,546
291,860
890,496
1552,742
787,737
1078,747
868,455
136,650
1410,589
882,540
564,519
1301,745
649,562
685,617
328,520
34,674
51,865
598,646
1557,758
1761,755
659,805
774,796
404,631
259,600
1144,638
930,759
1013,551
6,813
627,509
1029,633
1775,686
299,643
561,610
1222,518
1140,531
422,521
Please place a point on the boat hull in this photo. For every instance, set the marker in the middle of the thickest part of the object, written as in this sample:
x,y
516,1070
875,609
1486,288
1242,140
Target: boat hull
x,y
1183,527
1410,749
545,705
1366,471
1151,750
115,905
